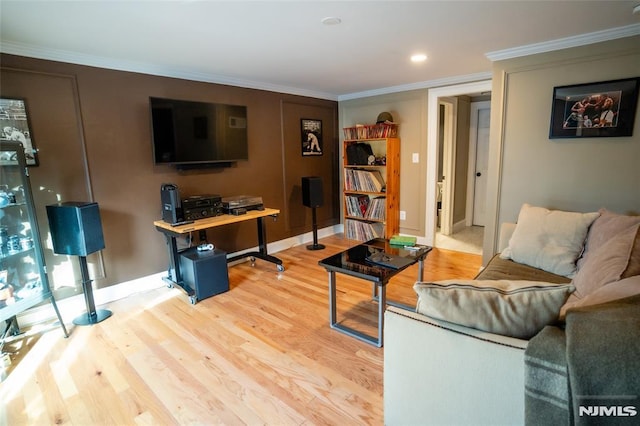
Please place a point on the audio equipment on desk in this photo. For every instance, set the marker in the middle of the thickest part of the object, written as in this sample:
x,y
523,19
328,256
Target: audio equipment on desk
x,y
240,204
171,206
201,206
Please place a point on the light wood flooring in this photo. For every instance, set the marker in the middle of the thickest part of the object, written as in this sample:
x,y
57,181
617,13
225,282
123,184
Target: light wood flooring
x,y
261,353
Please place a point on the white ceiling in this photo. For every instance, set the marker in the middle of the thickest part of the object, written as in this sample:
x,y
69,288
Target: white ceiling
x,y
283,46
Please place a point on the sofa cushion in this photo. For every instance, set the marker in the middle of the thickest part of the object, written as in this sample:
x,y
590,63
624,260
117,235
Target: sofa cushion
x,y
606,263
551,240
512,308
506,269
603,228
622,289
633,268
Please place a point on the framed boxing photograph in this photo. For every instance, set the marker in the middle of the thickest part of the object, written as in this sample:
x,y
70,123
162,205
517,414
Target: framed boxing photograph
x,y
311,137
602,109
14,126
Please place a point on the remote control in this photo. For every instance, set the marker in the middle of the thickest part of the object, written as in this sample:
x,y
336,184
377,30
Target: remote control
x,y
184,222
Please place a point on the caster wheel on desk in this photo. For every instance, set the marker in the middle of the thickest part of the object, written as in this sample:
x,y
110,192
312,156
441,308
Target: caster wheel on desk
x,y
193,300
169,285
252,260
280,268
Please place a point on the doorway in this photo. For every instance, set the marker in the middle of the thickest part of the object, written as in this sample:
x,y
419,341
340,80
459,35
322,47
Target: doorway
x,y
439,101
478,163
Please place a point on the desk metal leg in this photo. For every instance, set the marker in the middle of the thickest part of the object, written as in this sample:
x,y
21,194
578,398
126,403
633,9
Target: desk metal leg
x,y
174,275
262,248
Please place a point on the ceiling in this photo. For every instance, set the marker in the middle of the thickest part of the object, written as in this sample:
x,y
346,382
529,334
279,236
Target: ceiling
x,y
284,46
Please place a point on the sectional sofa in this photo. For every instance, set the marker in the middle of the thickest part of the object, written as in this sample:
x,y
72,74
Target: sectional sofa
x,y
497,349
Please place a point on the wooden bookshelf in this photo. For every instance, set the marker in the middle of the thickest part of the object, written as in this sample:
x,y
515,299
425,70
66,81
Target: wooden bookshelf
x,y
371,192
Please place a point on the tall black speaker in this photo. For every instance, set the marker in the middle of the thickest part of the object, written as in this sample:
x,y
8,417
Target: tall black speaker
x,y
171,204
312,191
76,229
312,197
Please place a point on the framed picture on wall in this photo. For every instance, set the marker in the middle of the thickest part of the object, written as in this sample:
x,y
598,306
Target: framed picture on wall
x,y
14,126
311,137
602,109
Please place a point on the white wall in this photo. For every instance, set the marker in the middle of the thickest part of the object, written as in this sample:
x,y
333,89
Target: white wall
x,y
409,110
582,174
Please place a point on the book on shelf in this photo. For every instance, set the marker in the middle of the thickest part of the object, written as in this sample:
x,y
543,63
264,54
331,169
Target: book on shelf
x,y
363,231
373,131
377,209
357,205
364,180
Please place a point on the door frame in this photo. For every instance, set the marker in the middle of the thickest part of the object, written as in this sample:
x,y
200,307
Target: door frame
x,y
473,158
448,161
432,147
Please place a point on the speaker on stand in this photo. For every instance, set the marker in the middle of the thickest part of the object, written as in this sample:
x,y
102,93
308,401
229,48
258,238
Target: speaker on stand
x,y
312,197
76,230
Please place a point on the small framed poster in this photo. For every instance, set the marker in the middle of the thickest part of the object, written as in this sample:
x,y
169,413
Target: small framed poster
x,y
311,135
14,126
603,109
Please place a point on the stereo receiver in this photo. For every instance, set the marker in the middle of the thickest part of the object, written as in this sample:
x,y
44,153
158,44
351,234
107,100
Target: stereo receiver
x,y
202,206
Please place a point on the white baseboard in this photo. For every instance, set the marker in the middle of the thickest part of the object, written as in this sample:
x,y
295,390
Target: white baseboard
x,y
73,306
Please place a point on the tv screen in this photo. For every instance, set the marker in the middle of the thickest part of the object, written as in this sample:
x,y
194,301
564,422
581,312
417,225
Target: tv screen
x,y
197,133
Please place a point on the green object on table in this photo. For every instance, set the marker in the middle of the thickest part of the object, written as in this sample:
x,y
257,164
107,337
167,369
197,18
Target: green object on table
x,y
403,240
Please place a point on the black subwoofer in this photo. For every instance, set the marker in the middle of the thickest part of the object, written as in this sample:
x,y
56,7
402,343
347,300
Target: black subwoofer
x,y
312,191
76,228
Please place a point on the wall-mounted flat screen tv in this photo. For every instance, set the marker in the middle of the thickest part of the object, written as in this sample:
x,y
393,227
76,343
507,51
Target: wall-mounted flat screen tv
x,y
192,134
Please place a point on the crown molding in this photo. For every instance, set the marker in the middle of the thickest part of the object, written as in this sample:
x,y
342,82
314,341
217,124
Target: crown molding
x,y
31,51
565,43
429,84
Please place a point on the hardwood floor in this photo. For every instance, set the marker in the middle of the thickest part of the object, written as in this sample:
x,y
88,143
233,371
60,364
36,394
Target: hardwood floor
x,y
262,353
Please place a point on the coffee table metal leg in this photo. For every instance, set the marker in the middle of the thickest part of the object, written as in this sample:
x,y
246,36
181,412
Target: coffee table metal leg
x,y
420,269
382,306
333,315
332,298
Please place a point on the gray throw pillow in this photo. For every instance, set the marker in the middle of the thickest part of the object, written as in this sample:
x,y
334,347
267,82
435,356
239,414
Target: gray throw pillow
x,y
511,308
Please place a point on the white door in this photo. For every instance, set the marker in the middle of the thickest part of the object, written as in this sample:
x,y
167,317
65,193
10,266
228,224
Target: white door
x,y
481,164
449,119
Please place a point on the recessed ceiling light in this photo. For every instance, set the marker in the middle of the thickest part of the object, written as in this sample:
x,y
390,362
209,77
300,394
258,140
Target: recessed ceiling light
x,y
330,20
418,57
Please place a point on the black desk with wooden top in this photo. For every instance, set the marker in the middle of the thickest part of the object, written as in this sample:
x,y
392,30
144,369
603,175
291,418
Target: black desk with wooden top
x,y
172,232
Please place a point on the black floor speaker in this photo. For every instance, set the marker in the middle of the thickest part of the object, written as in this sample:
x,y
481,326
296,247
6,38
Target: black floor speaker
x,y
312,191
312,197
205,272
76,228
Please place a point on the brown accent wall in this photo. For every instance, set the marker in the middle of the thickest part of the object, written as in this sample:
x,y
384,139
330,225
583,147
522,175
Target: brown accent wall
x,y
92,129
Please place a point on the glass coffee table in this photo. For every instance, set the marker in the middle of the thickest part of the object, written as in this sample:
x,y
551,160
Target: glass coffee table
x,y
357,262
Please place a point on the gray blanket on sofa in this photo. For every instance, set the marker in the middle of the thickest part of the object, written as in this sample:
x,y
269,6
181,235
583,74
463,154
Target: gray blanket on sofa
x,y
588,373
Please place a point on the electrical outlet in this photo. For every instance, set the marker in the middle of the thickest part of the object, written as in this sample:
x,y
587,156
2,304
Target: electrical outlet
x,y
415,157
403,215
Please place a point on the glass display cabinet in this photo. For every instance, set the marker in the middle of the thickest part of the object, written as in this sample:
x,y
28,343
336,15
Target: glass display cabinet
x,y
23,278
